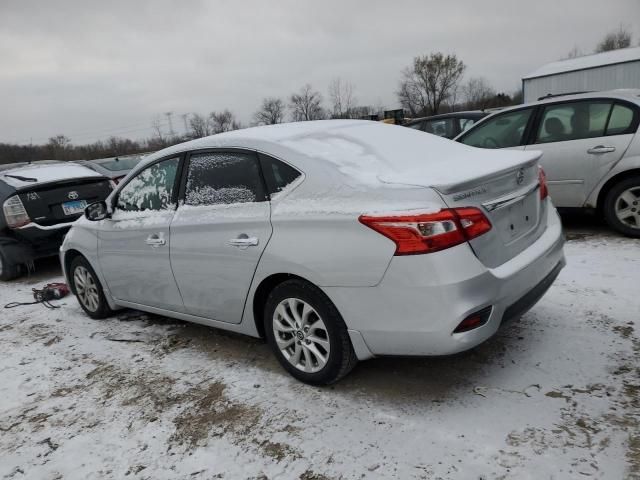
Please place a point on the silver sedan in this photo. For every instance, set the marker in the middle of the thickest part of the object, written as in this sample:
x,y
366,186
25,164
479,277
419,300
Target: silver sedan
x,y
335,240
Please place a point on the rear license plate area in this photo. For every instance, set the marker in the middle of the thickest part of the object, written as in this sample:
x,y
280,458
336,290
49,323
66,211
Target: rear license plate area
x,y
519,218
75,207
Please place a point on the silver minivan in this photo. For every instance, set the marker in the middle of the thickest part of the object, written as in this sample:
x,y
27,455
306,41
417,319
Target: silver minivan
x,y
590,147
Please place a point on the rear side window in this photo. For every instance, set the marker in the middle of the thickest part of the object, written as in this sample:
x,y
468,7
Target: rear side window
x,y
277,174
573,121
443,127
502,131
151,189
620,120
223,178
416,126
466,123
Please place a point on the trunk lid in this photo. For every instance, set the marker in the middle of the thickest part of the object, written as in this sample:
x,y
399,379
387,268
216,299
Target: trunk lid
x,y
63,201
510,198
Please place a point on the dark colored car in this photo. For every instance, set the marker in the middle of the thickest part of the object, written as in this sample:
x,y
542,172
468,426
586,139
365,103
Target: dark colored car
x,y
40,201
116,168
448,125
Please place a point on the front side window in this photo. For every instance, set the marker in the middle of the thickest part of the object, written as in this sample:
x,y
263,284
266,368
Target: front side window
x,y
502,131
223,178
573,121
442,128
151,189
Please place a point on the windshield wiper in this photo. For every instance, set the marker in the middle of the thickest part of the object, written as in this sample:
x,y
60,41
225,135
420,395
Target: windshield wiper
x,y
22,179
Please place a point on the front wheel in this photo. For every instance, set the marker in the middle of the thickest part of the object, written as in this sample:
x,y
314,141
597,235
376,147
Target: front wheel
x,y
88,289
622,207
307,333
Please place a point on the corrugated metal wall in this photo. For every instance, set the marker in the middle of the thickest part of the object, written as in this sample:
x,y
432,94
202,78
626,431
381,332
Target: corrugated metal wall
x,y
623,75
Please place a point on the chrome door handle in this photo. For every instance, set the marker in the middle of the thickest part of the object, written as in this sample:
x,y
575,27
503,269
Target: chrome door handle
x,y
601,149
155,241
243,242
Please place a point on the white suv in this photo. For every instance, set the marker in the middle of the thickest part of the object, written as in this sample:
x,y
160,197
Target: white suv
x,y
591,153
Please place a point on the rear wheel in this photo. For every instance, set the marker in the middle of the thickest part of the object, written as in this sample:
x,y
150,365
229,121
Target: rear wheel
x,y
8,269
307,333
622,207
88,289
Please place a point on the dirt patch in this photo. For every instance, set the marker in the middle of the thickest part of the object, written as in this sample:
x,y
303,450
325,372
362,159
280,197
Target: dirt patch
x,y
279,451
210,413
311,475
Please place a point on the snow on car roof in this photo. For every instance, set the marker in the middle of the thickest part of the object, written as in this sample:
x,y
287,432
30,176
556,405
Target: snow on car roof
x,y
44,173
587,61
370,153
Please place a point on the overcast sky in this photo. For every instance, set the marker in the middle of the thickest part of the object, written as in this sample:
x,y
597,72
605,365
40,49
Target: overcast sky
x,y
90,69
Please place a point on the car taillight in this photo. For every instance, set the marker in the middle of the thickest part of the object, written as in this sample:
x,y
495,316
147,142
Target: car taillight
x,y
542,178
429,232
15,213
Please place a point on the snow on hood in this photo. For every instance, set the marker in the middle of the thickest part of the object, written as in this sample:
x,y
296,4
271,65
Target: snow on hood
x,y
52,172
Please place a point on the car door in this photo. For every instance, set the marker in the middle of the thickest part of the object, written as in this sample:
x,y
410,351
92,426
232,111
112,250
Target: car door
x,y
503,130
133,245
578,145
219,232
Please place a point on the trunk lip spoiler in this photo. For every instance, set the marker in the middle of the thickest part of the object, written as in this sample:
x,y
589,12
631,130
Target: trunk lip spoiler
x,y
61,183
476,182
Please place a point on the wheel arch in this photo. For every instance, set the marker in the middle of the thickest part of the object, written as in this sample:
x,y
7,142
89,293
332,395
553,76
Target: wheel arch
x,y
70,256
610,183
262,292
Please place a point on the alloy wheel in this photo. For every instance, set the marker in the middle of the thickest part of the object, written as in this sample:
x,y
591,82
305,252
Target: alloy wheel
x,y
627,207
86,288
301,335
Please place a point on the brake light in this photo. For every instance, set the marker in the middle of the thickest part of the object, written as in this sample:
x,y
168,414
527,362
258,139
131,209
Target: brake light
x,y
542,178
14,212
429,232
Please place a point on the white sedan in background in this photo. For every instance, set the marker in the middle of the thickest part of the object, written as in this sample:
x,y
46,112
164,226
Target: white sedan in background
x,y
336,240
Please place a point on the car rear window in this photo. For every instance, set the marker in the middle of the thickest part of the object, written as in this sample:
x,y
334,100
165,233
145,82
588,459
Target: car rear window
x,y
116,164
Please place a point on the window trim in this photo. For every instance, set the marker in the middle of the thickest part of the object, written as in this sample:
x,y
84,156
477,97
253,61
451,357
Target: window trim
x,y
187,162
174,194
635,120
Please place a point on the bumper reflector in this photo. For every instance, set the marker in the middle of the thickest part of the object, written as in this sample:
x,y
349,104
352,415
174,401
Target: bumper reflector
x,y
474,320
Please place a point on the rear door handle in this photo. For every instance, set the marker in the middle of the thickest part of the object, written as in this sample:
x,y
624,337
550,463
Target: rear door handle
x,y
601,149
155,240
243,241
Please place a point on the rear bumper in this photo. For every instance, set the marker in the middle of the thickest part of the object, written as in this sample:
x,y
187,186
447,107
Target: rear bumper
x,y
35,241
422,299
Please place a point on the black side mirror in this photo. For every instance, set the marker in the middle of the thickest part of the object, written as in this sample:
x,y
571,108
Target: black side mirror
x,y
97,211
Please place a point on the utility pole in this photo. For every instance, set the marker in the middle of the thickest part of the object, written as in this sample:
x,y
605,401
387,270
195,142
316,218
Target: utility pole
x,y
171,132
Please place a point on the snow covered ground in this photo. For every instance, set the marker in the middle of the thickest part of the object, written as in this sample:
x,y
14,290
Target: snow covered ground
x,y
554,396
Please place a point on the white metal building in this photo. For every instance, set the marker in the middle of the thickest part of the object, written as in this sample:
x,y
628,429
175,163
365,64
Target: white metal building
x,y
601,71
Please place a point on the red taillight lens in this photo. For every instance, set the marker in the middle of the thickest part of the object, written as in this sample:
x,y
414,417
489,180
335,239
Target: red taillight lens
x,y
474,321
429,232
542,178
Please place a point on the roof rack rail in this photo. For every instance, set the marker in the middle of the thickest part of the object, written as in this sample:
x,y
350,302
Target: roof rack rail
x,y
553,95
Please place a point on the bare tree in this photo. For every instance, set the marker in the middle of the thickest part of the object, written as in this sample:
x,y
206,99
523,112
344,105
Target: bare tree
x,y
478,94
342,99
620,38
58,147
575,52
223,121
271,112
198,126
306,105
429,82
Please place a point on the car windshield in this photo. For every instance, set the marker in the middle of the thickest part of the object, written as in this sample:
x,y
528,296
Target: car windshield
x,y
115,164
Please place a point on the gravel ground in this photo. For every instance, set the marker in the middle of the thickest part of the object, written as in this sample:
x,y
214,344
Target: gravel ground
x,y
555,395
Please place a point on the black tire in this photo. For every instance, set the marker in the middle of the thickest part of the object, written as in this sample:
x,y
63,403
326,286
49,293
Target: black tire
x,y
102,309
613,199
8,269
341,357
